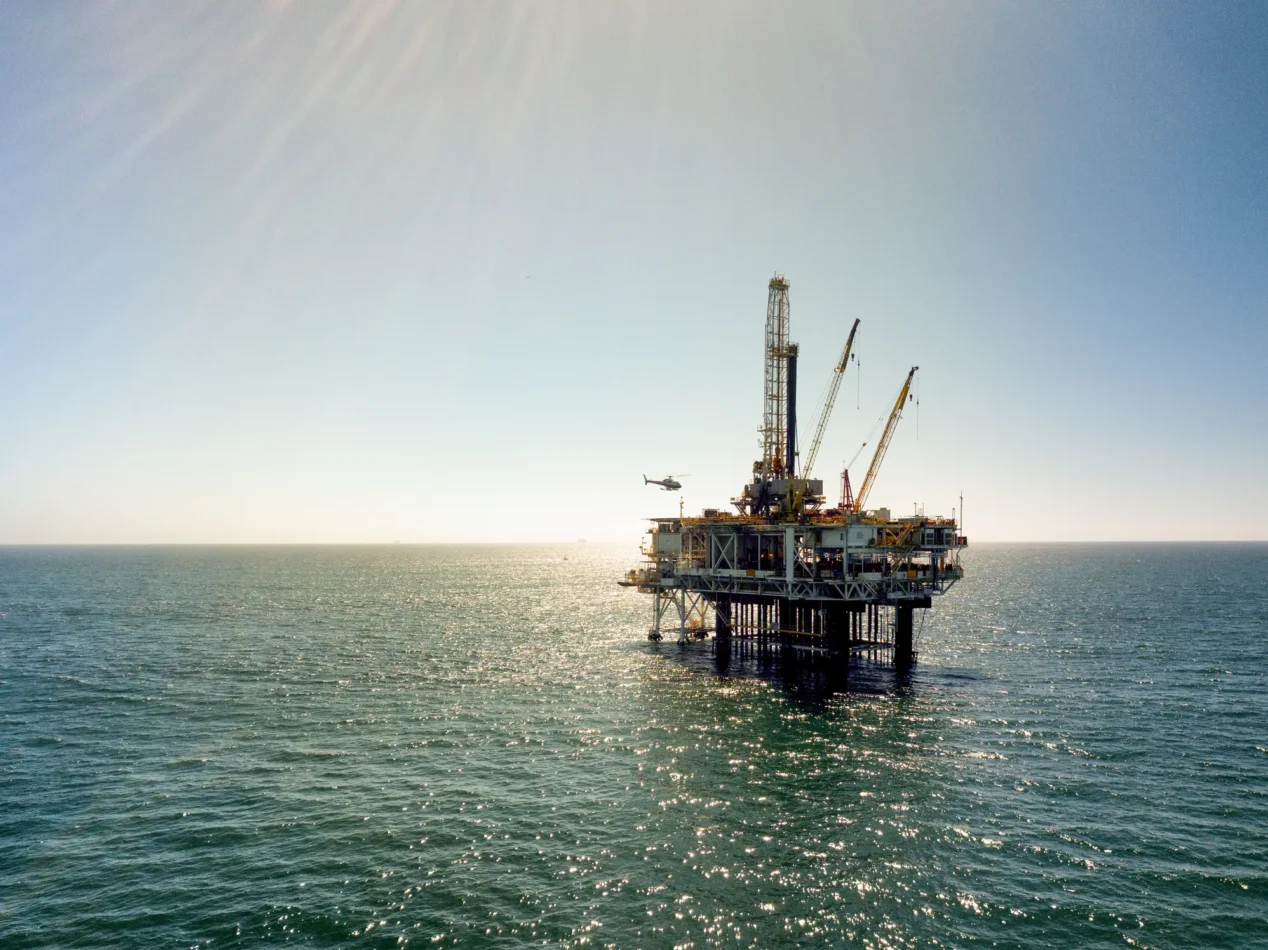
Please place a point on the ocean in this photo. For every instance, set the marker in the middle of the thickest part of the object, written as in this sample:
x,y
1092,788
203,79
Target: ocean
x,y
476,746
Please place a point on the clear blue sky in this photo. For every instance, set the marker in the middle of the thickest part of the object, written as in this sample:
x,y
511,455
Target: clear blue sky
x,y
375,271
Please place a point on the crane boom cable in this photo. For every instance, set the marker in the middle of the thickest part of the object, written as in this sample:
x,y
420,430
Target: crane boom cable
x,y
834,385
883,446
854,458
880,421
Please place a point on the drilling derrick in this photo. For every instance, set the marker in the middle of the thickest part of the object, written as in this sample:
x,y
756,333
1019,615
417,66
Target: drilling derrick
x,y
783,573
775,414
775,489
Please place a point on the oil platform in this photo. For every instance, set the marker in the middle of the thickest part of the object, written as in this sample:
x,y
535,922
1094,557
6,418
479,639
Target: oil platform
x,y
784,572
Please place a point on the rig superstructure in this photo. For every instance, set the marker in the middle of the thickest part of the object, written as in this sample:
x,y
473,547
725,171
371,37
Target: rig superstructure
x,y
784,571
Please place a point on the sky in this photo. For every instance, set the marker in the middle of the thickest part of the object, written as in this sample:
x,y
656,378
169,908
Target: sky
x,y
420,272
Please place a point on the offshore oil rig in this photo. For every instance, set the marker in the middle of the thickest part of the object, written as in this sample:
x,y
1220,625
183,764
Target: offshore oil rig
x,y
784,572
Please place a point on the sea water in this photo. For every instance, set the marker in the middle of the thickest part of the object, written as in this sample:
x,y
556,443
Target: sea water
x,y
476,746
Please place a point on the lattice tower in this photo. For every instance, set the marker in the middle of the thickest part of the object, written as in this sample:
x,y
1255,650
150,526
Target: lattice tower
x,y
775,412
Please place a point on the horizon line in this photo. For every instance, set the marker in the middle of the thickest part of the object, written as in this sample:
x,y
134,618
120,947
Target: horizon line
x,y
390,544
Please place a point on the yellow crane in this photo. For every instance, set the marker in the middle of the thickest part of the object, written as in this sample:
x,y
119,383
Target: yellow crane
x,y
883,446
829,399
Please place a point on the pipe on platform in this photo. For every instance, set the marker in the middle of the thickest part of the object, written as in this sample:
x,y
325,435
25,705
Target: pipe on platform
x,y
791,439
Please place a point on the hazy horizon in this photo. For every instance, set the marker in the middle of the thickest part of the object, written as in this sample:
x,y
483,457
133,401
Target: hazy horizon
x,y
548,543
444,272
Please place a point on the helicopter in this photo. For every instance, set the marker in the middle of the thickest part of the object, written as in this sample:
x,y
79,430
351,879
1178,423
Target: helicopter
x,y
668,483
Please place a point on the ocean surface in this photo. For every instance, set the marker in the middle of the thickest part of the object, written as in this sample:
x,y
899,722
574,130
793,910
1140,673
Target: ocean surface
x,y
476,746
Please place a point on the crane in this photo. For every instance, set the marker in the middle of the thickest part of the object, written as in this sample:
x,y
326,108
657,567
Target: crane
x,y
828,401
883,445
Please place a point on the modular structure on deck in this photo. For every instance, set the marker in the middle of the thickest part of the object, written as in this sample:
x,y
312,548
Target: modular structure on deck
x,y
783,571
